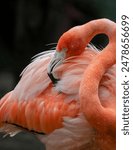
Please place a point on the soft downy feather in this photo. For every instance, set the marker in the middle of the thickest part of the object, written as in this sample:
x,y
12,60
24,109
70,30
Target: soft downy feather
x,y
37,72
70,72
76,134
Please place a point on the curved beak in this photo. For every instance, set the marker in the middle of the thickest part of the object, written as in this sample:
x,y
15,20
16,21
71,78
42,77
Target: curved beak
x,y
55,62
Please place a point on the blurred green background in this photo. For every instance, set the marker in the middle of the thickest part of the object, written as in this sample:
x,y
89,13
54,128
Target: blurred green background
x,y
26,27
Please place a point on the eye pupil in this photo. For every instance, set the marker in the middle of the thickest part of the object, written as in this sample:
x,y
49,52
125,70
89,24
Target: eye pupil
x,y
64,49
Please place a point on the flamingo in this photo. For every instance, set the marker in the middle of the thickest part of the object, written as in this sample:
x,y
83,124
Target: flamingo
x,y
68,94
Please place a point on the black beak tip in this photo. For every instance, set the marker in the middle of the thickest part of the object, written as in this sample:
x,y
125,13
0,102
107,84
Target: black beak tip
x,y
53,79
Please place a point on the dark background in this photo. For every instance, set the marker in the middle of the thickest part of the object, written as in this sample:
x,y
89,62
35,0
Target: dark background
x,y
26,26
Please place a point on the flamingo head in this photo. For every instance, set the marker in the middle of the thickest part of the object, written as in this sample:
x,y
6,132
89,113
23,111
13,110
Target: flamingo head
x,y
71,43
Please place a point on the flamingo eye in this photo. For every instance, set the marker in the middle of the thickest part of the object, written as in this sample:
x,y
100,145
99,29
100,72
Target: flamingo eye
x,y
64,49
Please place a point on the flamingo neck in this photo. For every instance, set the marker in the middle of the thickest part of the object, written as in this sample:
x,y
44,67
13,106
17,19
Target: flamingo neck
x,y
103,119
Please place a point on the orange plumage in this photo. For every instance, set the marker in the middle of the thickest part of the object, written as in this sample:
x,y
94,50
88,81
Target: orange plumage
x,y
80,106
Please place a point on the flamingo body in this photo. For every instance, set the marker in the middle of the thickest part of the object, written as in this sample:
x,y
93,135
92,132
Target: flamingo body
x,y
43,110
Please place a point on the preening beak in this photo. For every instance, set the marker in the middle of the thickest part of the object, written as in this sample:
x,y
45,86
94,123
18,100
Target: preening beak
x,y
55,62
